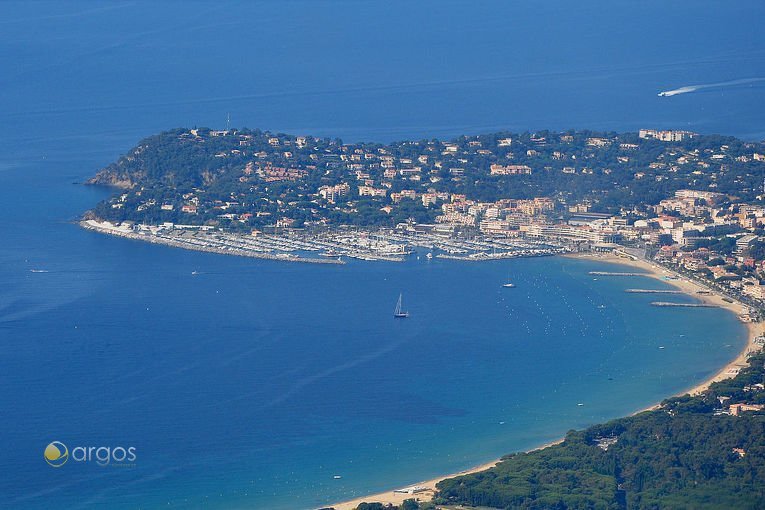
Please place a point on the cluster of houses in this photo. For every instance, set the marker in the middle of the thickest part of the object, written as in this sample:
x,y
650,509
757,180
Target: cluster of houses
x,y
423,171
738,408
699,231
720,243
703,231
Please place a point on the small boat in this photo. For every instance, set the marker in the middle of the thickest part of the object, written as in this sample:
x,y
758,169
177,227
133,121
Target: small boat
x,y
195,272
38,270
429,256
398,313
508,285
337,477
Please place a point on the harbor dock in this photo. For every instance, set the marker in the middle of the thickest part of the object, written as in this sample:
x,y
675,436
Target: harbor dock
x,y
653,291
684,305
611,273
328,246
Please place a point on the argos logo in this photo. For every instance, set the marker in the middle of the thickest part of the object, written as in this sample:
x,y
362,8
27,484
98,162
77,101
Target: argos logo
x,y
56,454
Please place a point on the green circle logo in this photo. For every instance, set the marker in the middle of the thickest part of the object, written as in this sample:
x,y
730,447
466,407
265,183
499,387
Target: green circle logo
x,y
56,454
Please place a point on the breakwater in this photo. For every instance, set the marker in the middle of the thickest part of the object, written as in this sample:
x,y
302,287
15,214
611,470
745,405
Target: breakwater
x,y
211,246
653,291
612,273
684,305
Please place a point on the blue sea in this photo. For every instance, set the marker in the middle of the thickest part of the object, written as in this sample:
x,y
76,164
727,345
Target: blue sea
x,y
253,384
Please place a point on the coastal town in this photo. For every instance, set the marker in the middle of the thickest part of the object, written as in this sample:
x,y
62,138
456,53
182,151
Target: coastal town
x,y
693,203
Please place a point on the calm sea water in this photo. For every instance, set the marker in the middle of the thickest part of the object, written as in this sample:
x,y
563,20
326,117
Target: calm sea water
x,y
252,384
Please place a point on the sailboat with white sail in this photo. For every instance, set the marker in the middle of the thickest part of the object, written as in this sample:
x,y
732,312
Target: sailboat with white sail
x,y
398,313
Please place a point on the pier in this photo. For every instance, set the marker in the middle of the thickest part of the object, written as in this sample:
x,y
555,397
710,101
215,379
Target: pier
x,y
653,291
610,273
684,305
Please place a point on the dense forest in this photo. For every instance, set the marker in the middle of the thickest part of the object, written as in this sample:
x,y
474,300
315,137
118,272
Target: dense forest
x,y
251,178
690,453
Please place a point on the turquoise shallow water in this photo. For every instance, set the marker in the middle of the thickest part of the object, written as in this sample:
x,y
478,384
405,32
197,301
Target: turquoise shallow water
x,y
253,384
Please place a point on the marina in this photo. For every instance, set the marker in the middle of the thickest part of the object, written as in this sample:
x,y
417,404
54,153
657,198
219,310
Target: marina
x,y
331,246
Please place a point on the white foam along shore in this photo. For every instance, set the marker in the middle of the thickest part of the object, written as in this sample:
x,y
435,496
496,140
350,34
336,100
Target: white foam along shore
x,y
426,489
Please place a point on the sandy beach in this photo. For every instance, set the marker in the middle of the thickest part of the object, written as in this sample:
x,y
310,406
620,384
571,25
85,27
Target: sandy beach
x,y
692,288
397,498
652,270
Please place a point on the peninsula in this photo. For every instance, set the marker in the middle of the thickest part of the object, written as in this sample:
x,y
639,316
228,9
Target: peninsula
x,y
691,202
684,207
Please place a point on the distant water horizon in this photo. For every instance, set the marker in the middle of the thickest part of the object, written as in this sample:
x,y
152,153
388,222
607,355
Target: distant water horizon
x,y
253,383
112,76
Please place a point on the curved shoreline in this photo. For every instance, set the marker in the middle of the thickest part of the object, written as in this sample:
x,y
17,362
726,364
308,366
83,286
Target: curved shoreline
x,y
645,269
651,270
692,288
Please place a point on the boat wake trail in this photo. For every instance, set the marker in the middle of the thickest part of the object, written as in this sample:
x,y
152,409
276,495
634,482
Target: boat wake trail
x,y
694,88
332,370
